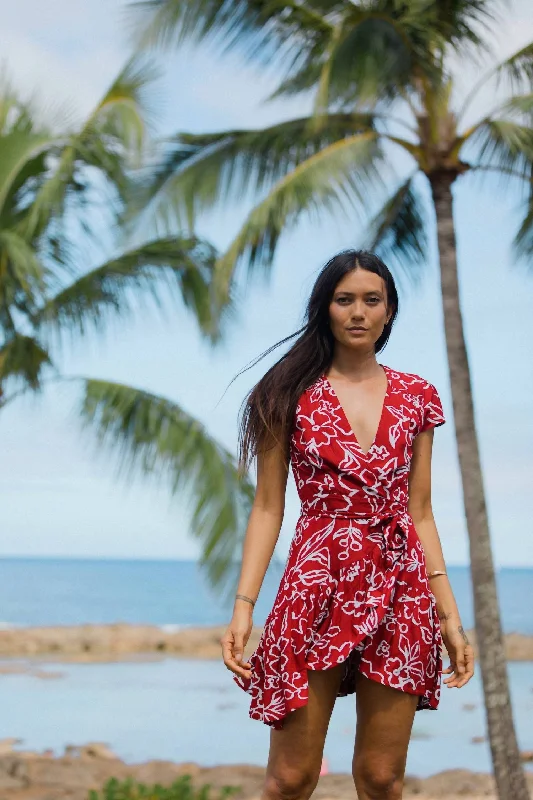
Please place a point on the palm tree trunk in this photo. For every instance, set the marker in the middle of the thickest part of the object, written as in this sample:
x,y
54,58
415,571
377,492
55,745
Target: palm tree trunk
x,y
508,771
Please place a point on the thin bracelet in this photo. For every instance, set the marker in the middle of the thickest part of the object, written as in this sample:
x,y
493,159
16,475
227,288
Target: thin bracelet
x,y
436,572
243,597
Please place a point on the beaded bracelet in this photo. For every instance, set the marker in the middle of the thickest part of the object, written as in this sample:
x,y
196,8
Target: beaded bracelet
x,y
436,572
243,597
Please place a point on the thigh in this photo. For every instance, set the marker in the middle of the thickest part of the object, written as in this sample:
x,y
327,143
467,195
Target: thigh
x,y
296,749
384,722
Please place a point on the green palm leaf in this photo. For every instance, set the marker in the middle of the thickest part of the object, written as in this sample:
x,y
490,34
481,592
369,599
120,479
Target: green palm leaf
x,y
254,26
399,231
159,439
520,105
22,278
23,358
518,68
19,149
376,50
199,170
523,243
110,141
172,268
338,178
464,23
503,145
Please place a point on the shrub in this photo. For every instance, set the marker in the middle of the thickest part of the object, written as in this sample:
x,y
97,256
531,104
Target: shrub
x,y
180,789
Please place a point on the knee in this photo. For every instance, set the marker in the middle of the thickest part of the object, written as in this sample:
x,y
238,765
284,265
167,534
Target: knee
x,y
378,781
289,784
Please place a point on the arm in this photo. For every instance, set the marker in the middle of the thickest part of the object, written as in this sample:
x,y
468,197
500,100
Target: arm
x,y
262,533
419,507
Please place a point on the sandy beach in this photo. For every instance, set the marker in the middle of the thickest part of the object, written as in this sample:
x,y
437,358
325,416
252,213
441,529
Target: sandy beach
x,y
42,775
123,642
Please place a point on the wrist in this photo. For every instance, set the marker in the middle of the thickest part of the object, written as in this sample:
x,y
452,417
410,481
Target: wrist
x,y
244,602
448,615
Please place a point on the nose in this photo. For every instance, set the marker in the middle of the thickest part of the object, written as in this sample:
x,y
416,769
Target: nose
x,y
358,313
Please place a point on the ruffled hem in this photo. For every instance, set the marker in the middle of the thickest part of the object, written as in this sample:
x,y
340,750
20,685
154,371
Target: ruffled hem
x,y
324,625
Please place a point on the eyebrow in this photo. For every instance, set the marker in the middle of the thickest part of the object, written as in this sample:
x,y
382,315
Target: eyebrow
x,y
351,294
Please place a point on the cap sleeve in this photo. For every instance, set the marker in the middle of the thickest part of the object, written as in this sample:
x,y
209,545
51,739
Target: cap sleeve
x,y
432,414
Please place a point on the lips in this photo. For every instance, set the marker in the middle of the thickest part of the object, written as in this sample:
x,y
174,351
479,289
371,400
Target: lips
x,y
357,328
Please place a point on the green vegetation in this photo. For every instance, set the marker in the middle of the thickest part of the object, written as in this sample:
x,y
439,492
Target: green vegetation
x,y
181,789
64,190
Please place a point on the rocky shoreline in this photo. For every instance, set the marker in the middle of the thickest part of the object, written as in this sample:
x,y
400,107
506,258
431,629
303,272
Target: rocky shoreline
x,y
45,776
125,642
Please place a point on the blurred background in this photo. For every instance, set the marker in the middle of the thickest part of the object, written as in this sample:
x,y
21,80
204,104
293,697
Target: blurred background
x,y
102,466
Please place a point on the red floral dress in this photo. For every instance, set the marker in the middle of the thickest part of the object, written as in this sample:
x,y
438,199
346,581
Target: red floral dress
x,y
355,587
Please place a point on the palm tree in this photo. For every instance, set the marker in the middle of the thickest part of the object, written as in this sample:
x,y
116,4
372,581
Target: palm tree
x,y
379,73
54,188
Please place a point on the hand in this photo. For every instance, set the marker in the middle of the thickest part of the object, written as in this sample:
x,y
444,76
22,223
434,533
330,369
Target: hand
x,y
234,641
460,652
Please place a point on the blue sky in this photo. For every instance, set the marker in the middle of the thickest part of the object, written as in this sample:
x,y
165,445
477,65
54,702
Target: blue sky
x,y
58,496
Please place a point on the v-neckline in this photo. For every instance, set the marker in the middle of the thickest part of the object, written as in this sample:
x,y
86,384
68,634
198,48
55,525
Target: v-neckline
x,y
342,411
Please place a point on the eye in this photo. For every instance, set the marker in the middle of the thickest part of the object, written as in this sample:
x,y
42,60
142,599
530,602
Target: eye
x,y
373,300
343,300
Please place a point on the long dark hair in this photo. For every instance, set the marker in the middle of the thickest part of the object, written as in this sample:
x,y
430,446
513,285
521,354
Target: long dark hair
x,y
267,412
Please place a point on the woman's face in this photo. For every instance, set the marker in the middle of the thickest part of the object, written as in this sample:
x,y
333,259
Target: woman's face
x,y
358,309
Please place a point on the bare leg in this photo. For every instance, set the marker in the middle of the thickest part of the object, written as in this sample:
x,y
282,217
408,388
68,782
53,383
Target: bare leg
x,y
296,750
384,723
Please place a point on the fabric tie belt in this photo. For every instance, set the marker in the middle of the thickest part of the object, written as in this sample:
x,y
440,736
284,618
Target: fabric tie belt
x,y
392,529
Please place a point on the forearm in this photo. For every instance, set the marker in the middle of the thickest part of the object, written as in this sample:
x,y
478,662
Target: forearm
x,y
440,584
260,540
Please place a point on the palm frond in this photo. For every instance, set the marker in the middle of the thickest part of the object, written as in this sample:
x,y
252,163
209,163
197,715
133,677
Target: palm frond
x,y
20,153
337,178
125,112
23,278
16,115
519,107
256,27
517,70
23,358
109,141
376,50
503,145
160,440
201,170
523,241
179,268
462,23
377,54
398,232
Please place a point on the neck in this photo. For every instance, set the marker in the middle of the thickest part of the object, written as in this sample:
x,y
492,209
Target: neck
x,y
352,365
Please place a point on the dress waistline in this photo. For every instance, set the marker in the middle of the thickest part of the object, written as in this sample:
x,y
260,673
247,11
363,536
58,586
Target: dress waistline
x,y
390,528
354,514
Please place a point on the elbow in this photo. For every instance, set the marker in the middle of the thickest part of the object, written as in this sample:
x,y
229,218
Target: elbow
x,y
274,508
421,511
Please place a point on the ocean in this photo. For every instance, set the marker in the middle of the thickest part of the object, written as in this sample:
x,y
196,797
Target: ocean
x,y
191,710
56,591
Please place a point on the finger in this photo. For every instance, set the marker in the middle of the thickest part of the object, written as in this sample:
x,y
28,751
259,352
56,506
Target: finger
x,y
453,675
238,647
227,645
460,661
469,665
238,670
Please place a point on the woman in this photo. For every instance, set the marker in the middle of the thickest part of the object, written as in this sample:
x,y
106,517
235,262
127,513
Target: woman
x,y
364,602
